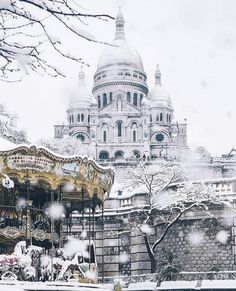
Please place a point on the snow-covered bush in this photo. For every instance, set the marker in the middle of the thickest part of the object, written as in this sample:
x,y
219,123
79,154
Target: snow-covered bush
x,y
8,127
67,146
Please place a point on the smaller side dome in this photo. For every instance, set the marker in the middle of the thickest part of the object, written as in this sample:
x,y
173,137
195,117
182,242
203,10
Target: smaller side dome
x,y
158,96
80,97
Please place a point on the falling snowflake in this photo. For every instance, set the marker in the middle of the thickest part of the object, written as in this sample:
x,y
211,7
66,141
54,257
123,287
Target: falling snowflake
x,y
145,228
195,238
222,236
55,211
124,258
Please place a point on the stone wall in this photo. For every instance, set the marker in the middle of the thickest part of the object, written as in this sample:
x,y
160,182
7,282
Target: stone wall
x,y
197,245
192,241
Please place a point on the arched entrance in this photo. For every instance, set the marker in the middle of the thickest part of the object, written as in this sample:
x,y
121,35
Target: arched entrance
x,y
119,155
136,154
104,155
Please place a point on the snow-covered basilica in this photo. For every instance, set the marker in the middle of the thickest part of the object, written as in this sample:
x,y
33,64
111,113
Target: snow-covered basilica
x,y
122,118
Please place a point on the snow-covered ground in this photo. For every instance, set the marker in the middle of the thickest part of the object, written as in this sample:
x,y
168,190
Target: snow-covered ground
x,y
198,285
51,286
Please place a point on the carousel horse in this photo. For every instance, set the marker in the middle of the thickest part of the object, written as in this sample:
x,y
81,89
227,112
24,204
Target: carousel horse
x,y
19,260
69,265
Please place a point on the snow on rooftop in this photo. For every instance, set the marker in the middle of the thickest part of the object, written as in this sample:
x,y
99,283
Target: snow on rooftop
x,y
6,145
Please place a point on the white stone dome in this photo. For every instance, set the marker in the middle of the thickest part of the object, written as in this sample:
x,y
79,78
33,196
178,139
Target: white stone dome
x,y
159,97
80,97
120,53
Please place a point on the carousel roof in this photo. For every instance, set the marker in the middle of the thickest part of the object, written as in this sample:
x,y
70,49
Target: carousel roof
x,y
39,164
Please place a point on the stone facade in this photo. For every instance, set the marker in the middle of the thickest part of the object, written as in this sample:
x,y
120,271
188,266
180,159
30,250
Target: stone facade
x,y
121,118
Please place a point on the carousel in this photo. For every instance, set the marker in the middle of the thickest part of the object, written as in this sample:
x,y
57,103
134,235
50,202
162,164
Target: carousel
x,y
39,193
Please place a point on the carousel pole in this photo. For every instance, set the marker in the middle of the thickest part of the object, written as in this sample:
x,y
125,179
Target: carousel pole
x,y
93,218
52,236
61,222
28,232
82,209
89,237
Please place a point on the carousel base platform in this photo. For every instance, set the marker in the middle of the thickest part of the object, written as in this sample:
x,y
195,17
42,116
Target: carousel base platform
x,y
51,286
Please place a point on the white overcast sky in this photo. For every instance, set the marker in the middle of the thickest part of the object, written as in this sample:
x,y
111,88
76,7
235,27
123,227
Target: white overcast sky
x,y
193,41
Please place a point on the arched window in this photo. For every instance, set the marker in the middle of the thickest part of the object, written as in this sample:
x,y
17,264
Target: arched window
x,y
82,117
167,117
104,136
99,102
134,135
104,99
157,119
110,97
72,118
78,117
88,118
141,99
69,119
135,101
119,128
170,118
161,116
128,96
150,118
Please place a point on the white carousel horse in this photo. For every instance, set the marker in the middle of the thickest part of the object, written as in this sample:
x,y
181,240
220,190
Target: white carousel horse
x,y
67,264
19,258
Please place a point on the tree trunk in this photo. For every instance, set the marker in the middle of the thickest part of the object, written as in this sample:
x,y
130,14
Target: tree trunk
x,y
151,254
153,264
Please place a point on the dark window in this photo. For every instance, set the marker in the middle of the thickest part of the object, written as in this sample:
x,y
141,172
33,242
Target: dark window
x,y
104,99
135,101
161,116
110,96
157,116
134,135
151,118
141,98
119,128
128,96
104,136
88,118
99,102
159,137
72,118
82,117
78,117
80,137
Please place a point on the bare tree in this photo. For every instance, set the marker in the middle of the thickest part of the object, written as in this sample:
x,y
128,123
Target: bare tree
x,y
169,198
24,32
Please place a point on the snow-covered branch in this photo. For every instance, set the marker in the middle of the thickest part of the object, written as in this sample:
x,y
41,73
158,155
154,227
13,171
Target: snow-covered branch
x,y
25,34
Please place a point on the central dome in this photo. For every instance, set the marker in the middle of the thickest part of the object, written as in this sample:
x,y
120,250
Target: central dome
x,y
120,53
